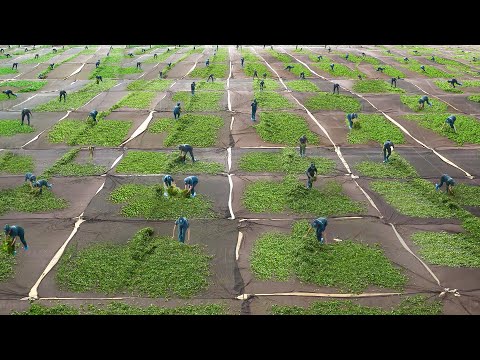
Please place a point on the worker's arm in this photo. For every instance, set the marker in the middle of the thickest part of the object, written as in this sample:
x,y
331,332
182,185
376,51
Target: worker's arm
x,y
174,227
188,231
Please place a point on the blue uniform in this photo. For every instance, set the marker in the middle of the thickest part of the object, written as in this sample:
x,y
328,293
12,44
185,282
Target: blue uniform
x,y
387,148
447,180
63,94
393,81
451,121
186,149
97,64
30,177
254,109
453,82
336,87
192,181
26,112
14,231
423,100
41,183
192,87
207,62
311,172
99,78
242,60
422,67
183,225
176,111
350,118
167,180
210,77
93,114
303,145
319,225
332,66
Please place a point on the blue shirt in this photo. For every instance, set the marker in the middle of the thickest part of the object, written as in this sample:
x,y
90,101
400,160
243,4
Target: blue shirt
x,y
320,223
186,148
451,119
388,144
182,222
312,170
176,109
15,231
254,105
167,179
424,98
191,180
351,116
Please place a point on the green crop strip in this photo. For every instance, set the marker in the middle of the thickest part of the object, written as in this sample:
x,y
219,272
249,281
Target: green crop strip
x,y
110,66
467,195
396,167
442,248
160,57
250,67
268,84
347,265
11,163
302,85
375,86
291,195
149,85
339,70
284,128
78,98
412,102
136,100
78,132
166,69
475,98
391,71
23,85
13,127
288,160
413,305
149,162
218,71
445,86
455,64
415,197
43,74
201,101
374,127
147,265
7,262
7,70
221,55
118,308
328,101
210,86
468,127
430,71
44,57
27,200
359,59
272,100
288,60
148,201
196,130
147,50
65,166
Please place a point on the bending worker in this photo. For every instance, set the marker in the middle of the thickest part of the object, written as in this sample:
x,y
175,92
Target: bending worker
x,y
451,121
350,118
14,231
176,111
186,149
319,224
26,112
311,175
167,181
190,183
30,177
63,94
303,145
183,227
387,148
423,100
449,183
41,183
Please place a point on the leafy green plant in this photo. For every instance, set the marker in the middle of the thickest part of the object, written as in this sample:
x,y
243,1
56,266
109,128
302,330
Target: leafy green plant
x,y
412,102
397,167
288,160
412,305
7,70
160,57
284,128
216,86
23,85
150,162
374,127
272,100
25,199
149,85
302,85
290,194
145,201
467,194
137,100
78,132
218,70
359,59
13,127
347,265
269,84
44,57
339,70
196,130
7,262
391,71
65,166
375,86
415,197
468,127
250,67
475,98
118,308
201,101
328,101
430,71
147,265
11,163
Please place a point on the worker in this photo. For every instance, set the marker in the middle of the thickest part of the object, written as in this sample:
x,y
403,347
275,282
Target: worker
x,y
423,100
329,49
36,56
393,82
14,231
167,181
9,92
15,66
30,177
130,54
210,77
302,75
93,114
54,50
190,183
332,65
26,112
406,59
449,183
319,57
255,74
176,111
186,149
453,82
183,227
303,145
422,67
264,75
262,84
169,65
289,67
139,65
52,65
99,78
380,69
433,58
63,94
451,121
41,183
155,55
207,62
192,87
359,77
346,57
160,74
387,148
363,54
242,60
319,224
350,118
254,105
336,87
311,175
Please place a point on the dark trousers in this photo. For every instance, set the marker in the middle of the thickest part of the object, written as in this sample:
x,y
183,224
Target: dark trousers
x,y
385,150
28,118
